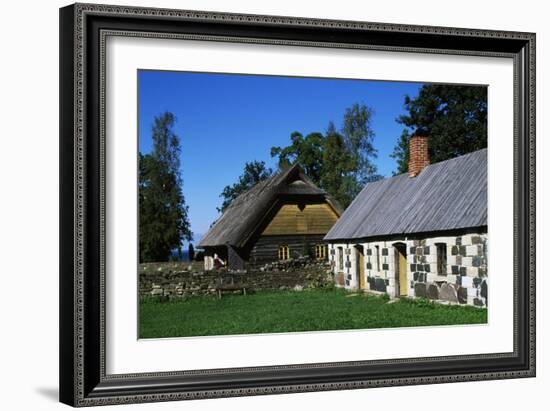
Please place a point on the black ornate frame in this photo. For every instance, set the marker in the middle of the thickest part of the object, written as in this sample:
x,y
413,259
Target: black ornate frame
x,y
83,30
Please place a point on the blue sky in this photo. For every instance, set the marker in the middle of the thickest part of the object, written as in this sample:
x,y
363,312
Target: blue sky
x,y
225,120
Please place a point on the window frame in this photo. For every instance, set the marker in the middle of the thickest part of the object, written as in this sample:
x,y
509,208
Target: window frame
x,y
283,249
320,251
441,258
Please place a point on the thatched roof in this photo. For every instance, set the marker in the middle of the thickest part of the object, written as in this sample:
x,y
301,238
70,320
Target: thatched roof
x,y
448,195
247,211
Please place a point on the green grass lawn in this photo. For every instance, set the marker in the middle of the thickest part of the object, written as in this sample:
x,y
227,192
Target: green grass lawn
x,y
287,311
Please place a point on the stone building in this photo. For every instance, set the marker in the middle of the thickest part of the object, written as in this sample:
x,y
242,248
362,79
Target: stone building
x,y
281,218
418,234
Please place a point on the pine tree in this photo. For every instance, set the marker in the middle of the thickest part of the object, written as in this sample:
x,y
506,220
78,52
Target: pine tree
x,y
454,118
163,214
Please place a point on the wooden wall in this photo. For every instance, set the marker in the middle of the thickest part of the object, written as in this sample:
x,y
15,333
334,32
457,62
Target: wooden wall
x,y
310,219
234,259
267,247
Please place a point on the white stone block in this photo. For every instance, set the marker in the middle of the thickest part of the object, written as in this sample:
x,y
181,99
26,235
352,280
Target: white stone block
x,y
451,259
472,250
431,277
467,261
472,271
439,240
472,292
466,282
432,258
467,239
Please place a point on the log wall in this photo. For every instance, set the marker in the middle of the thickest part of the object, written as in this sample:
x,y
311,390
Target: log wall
x,y
266,249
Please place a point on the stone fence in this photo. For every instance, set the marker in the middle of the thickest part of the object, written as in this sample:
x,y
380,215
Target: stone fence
x,y
180,280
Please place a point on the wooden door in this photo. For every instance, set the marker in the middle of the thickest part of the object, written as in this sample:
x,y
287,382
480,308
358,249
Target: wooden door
x,y
403,286
361,267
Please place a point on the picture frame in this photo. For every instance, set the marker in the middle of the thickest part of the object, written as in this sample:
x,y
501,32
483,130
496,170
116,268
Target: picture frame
x,y
84,380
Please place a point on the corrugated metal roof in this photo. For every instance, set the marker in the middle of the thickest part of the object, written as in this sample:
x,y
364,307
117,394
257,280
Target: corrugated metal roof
x,y
448,195
244,214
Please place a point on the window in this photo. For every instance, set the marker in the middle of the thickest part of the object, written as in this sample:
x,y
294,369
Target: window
x,y
284,253
340,258
378,257
320,251
441,258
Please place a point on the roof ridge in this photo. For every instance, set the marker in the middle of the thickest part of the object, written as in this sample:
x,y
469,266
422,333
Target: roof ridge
x,y
244,213
442,161
449,194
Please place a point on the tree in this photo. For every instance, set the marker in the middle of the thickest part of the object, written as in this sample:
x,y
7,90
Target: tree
x,y
358,136
253,173
401,152
191,252
338,173
163,214
338,162
454,117
306,151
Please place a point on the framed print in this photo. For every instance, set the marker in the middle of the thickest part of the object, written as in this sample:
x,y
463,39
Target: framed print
x,y
262,204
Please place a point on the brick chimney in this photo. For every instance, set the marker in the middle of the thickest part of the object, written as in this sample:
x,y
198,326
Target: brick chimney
x,y
418,154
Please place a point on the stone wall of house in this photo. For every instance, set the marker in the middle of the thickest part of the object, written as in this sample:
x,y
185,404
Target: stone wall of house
x,y
180,280
461,279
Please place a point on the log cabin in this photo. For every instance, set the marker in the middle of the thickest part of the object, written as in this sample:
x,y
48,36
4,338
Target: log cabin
x,y
283,217
418,234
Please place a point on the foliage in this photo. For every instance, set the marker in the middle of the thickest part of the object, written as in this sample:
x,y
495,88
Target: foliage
x,y
454,117
338,177
253,173
420,302
358,136
401,153
163,219
306,151
338,162
292,311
